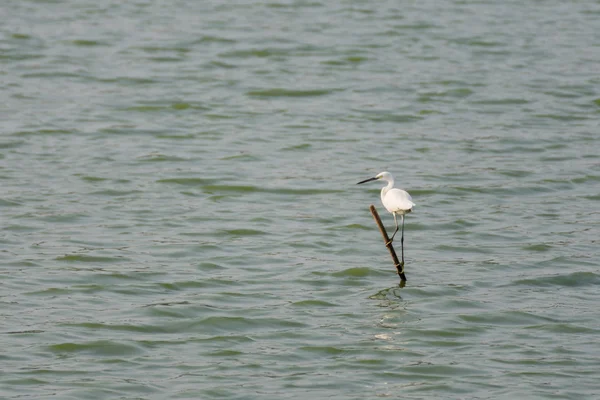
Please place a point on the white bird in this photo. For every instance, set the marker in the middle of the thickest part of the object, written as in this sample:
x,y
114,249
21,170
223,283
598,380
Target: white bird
x,y
396,201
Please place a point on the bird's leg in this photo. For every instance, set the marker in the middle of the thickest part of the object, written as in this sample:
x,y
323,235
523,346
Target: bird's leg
x,y
402,240
394,234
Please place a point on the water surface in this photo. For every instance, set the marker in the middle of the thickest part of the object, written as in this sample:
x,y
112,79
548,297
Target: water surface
x,y
180,217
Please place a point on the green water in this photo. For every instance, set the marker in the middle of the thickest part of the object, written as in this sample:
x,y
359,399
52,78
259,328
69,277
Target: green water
x,y
180,218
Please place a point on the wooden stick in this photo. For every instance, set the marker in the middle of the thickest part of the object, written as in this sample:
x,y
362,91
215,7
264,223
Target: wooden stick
x,y
399,266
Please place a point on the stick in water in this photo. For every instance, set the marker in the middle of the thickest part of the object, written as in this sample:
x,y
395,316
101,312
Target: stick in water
x,y
390,247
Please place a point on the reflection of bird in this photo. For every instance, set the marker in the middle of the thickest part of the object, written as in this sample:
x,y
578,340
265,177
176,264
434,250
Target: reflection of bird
x,y
396,201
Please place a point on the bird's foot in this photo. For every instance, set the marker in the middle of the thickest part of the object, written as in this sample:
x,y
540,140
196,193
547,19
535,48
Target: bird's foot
x,y
389,242
400,268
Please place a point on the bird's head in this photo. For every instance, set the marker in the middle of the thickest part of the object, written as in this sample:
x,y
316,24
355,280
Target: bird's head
x,y
384,176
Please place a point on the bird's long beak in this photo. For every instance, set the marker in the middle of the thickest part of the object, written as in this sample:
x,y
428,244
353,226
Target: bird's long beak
x,y
367,180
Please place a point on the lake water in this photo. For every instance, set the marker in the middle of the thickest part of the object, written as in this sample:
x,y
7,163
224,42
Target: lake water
x,y
180,216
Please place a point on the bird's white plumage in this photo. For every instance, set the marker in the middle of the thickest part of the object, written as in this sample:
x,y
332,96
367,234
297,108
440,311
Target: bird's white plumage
x,y
396,201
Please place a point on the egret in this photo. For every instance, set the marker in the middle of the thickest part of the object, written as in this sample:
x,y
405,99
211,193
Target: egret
x,y
396,201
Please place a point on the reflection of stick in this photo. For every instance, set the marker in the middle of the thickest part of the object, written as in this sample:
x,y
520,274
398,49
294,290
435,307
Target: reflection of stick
x,y
390,247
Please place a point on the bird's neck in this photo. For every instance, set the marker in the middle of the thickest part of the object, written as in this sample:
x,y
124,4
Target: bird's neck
x,y
385,189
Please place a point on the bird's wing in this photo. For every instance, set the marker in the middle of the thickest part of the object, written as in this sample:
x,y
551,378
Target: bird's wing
x,y
398,200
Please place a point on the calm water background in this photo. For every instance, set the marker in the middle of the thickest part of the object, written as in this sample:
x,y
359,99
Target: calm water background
x,y
180,218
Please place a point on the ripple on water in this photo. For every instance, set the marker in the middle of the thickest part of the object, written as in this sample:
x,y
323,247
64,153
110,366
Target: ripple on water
x,y
258,189
9,203
356,272
97,348
564,328
86,258
310,304
510,317
12,144
280,92
187,181
574,279
540,247
115,193
216,324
